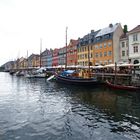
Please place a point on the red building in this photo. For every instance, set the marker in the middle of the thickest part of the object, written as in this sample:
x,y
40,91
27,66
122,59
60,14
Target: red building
x,y
72,53
55,57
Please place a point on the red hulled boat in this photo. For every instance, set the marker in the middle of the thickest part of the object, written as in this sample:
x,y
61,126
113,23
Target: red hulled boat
x,y
122,87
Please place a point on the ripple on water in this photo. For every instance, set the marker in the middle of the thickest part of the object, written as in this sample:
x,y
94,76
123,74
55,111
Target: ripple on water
x,y
35,109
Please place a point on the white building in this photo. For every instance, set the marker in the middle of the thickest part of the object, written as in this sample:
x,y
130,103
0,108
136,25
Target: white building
x,y
124,51
134,44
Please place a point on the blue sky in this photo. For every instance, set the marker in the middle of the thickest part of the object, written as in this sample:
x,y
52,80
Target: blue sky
x,y
24,22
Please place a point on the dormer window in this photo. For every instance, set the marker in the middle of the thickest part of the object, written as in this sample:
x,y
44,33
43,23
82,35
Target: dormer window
x,y
98,38
106,36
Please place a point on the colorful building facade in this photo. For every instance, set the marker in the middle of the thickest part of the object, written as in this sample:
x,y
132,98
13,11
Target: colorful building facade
x,y
62,56
134,44
72,53
124,49
55,57
100,47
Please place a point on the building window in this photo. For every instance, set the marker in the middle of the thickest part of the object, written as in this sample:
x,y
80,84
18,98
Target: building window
x,y
100,54
105,54
85,56
106,36
109,44
98,38
109,61
100,62
96,47
105,62
109,53
123,44
123,53
104,45
135,48
96,54
86,48
100,46
91,55
135,37
82,49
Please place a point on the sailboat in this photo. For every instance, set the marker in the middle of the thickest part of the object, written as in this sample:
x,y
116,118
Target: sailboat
x,y
40,73
72,76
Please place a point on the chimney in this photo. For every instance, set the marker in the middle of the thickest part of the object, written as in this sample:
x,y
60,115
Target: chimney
x,y
110,25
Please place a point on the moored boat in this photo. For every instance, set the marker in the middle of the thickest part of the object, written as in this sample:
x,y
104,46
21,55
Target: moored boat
x,y
75,77
35,75
69,78
122,87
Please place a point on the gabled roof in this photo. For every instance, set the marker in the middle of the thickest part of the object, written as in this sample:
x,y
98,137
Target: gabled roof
x,y
32,55
73,42
110,29
134,30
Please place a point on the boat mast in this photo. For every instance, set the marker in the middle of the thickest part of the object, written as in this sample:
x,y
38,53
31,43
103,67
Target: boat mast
x,y
88,59
66,49
115,80
40,51
27,60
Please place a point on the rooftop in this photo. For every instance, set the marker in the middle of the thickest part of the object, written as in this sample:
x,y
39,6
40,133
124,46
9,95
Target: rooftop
x,y
110,29
135,30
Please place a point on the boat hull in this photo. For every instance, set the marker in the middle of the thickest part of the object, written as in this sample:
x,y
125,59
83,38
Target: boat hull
x,y
77,81
122,87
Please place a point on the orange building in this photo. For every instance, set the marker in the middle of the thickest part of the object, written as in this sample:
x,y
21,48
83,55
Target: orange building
x,y
103,53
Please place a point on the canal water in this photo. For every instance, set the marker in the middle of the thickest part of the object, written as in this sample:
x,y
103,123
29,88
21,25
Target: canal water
x,y
34,109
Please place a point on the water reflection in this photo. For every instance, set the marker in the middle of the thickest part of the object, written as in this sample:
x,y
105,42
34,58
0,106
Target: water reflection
x,y
37,109
118,109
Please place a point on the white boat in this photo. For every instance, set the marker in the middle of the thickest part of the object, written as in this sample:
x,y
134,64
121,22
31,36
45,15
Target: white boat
x,y
36,75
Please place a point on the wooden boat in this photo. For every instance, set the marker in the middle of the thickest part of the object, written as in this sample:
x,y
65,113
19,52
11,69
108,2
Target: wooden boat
x,y
122,87
68,78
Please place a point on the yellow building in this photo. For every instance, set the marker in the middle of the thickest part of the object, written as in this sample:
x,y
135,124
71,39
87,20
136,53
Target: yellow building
x,y
22,63
33,61
85,55
36,61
